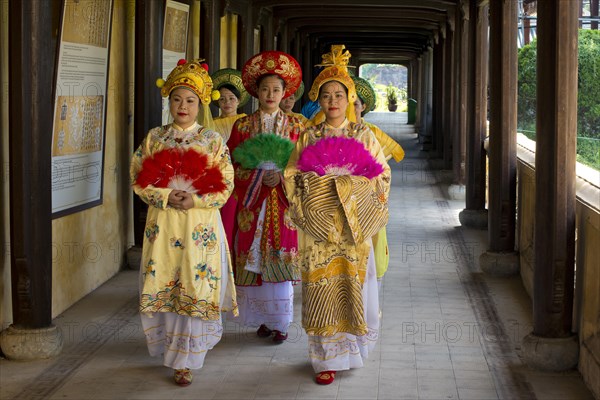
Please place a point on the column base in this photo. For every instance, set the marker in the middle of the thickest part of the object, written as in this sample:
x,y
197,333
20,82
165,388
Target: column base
x,y
134,257
477,219
499,263
457,192
31,344
551,354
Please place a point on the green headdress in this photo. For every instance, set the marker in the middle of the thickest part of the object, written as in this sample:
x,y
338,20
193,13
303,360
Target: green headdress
x,y
366,92
299,92
232,77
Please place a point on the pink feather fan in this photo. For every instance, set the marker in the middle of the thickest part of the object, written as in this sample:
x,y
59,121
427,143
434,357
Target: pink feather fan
x,y
339,156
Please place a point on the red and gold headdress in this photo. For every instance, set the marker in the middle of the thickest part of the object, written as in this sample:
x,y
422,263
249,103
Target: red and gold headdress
x,y
336,69
272,63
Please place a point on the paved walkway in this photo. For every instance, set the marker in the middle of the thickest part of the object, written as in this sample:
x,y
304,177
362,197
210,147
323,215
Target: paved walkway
x,y
448,331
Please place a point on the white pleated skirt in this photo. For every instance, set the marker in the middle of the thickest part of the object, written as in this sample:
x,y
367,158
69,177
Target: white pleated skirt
x,y
183,341
272,303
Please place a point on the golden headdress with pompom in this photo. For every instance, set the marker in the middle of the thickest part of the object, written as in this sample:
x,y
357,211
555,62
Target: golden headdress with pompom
x,y
192,75
336,69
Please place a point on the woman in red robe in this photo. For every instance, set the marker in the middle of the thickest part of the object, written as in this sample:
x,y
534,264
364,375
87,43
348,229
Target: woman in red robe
x,y
265,244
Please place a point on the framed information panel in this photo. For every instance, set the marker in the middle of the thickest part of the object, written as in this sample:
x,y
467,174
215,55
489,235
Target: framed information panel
x,y
78,131
175,33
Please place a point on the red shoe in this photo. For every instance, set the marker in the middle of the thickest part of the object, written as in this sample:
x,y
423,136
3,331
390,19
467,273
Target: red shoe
x,y
325,377
279,337
183,377
263,331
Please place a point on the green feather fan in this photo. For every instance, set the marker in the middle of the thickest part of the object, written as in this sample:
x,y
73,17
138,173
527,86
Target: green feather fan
x,y
263,151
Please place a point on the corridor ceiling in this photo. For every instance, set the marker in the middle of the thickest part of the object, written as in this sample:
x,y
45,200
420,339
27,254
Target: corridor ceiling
x,y
375,31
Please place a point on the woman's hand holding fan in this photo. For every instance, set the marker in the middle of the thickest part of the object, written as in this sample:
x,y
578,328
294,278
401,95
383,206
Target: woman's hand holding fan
x,y
185,170
339,156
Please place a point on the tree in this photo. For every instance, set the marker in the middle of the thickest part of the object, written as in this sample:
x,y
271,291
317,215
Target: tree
x,y
588,100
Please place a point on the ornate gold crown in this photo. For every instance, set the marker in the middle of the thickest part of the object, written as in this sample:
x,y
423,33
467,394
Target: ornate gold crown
x,y
192,75
336,69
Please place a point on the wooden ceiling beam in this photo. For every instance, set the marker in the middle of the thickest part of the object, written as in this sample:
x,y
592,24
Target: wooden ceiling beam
x,y
440,5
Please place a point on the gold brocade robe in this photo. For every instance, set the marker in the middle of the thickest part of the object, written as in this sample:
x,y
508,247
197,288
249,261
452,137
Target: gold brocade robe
x,y
336,217
301,117
181,254
390,148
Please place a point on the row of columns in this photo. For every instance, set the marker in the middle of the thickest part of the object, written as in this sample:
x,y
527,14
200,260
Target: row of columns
x,y
551,345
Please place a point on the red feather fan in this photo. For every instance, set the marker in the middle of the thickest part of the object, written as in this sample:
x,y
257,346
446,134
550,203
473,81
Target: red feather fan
x,y
181,169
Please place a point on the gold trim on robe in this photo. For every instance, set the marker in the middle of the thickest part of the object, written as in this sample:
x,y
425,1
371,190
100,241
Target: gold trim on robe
x,y
336,217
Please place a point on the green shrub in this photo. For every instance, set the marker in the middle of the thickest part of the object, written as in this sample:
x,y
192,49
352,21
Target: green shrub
x,y
588,98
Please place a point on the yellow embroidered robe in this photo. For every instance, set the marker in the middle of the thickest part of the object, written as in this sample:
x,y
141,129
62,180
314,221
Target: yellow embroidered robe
x,y
223,125
181,254
336,216
390,148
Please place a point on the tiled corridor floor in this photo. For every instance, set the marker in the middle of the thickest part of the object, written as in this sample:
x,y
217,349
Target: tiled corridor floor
x,y
448,331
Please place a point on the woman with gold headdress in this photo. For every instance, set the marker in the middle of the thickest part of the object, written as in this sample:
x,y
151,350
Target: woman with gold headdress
x,y
365,102
265,239
184,173
337,182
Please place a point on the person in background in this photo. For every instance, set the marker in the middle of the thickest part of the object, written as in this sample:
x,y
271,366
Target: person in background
x,y
183,172
287,104
233,96
337,182
365,102
266,256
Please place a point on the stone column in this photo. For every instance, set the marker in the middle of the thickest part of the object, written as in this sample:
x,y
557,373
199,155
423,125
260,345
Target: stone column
x,y
552,344
148,102
428,99
475,214
419,93
453,138
501,258
456,191
32,49
439,67
449,122
409,83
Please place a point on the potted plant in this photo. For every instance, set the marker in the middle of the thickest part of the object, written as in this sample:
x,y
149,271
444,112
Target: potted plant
x,y
392,97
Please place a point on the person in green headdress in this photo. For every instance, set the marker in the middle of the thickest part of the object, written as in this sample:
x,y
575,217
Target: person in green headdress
x,y
288,103
233,96
365,102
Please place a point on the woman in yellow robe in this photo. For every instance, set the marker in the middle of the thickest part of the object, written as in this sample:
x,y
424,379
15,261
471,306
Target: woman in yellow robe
x,y
232,96
288,103
336,216
186,278
365,102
